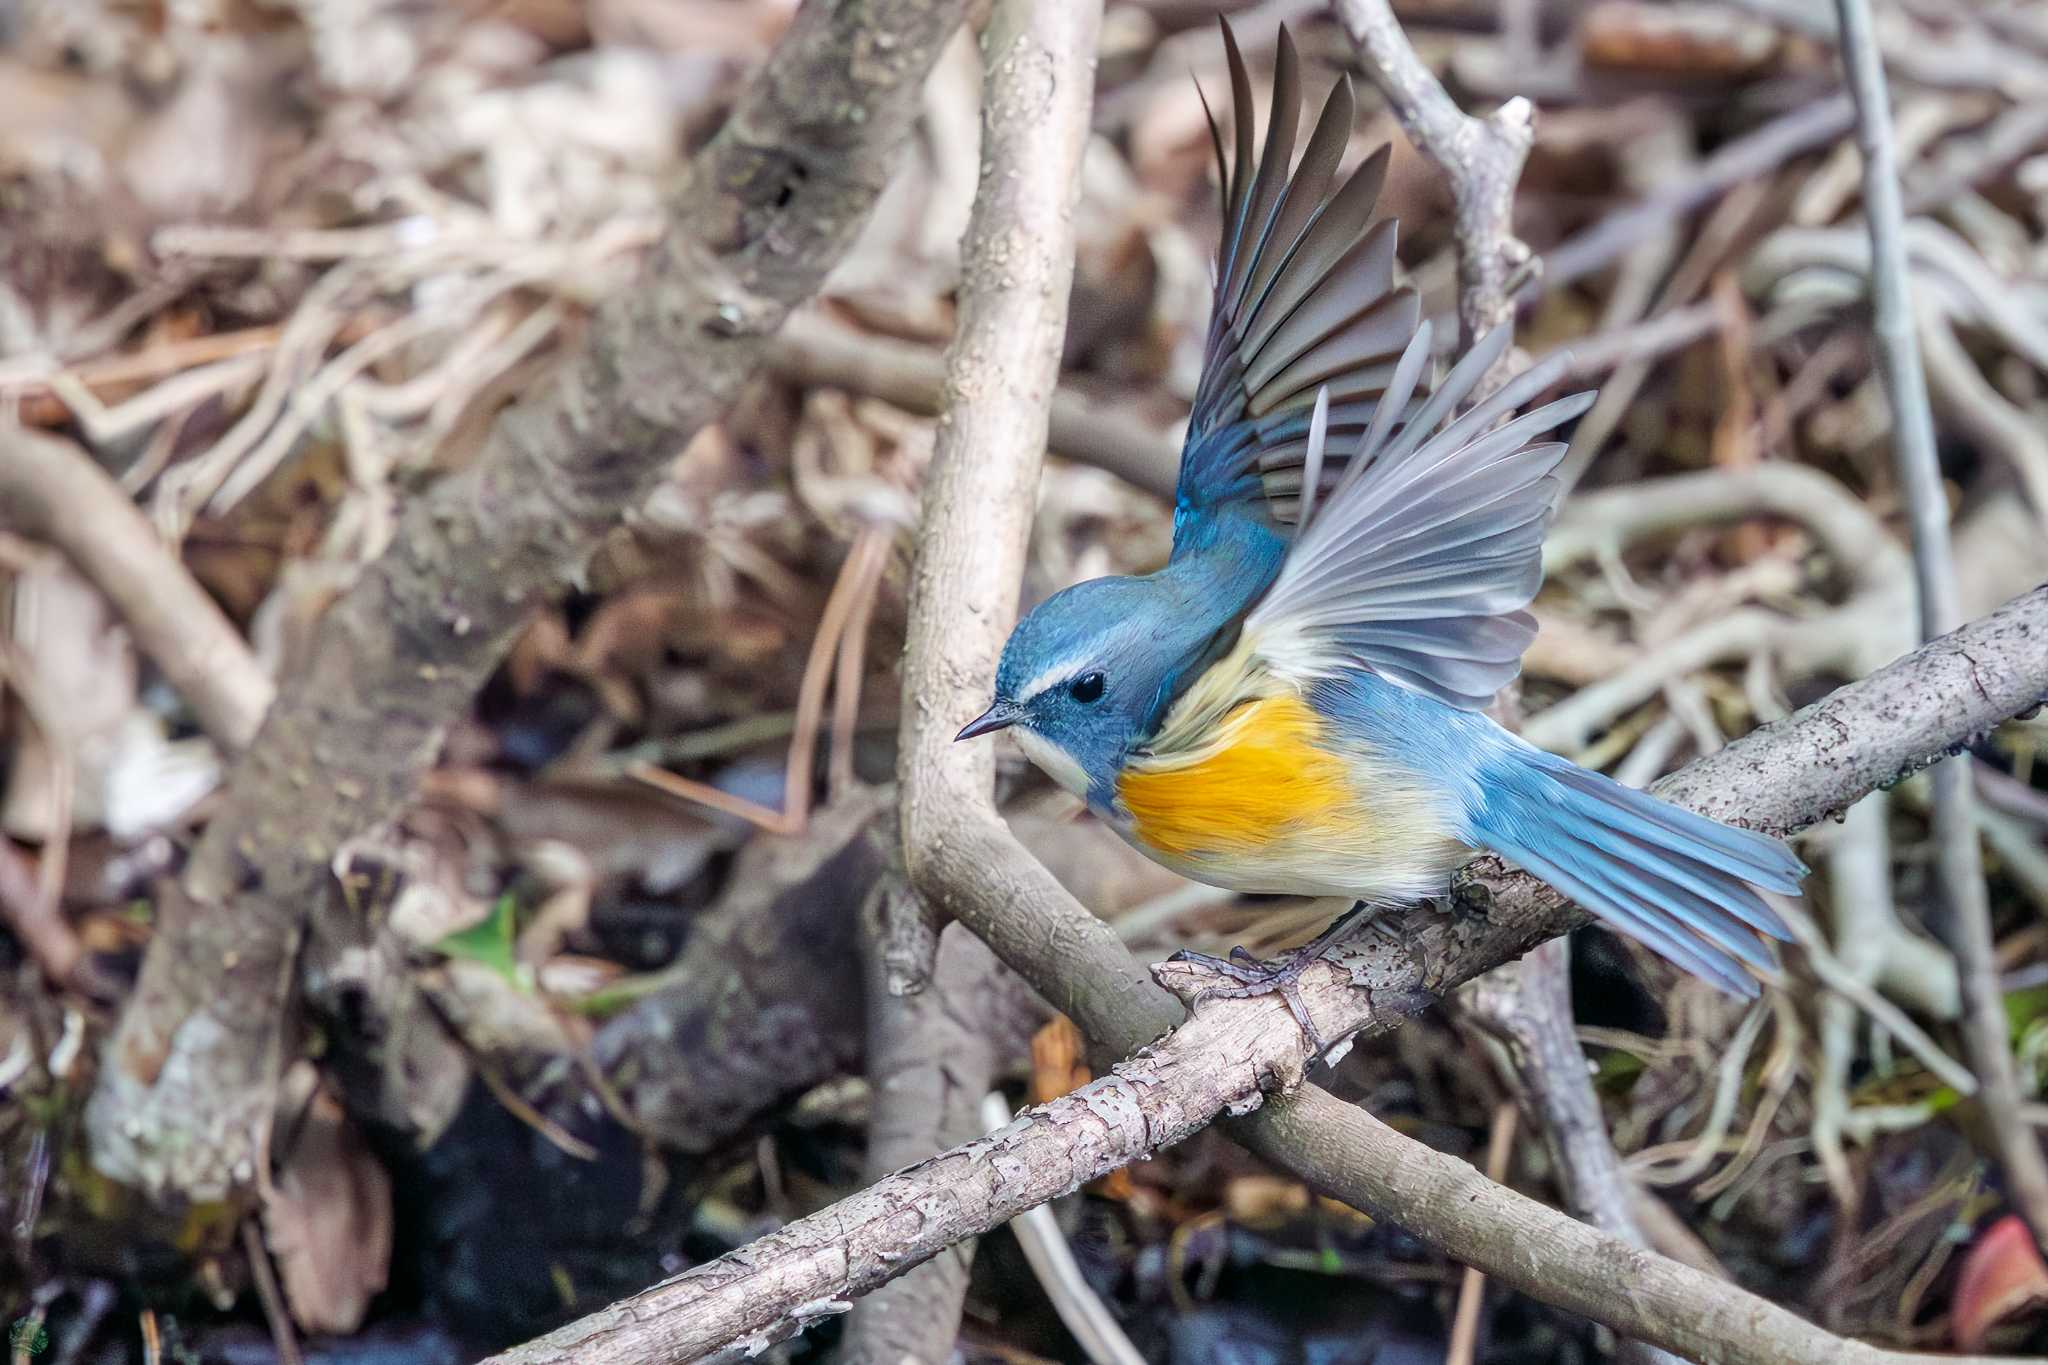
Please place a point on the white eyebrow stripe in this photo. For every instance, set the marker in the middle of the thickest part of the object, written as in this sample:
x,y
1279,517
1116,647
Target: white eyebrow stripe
x,y
1046,677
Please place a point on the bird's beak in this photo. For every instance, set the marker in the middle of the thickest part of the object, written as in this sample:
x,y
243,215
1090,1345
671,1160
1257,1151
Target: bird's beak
x,y
1000,716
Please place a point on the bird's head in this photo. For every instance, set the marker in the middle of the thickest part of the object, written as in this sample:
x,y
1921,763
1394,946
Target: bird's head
x,y
1082,681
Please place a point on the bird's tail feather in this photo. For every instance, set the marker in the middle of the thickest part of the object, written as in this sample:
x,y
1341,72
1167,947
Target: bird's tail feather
x,y
1684,886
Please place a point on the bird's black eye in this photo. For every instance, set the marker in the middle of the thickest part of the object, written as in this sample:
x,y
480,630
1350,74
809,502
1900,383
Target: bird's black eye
x,y
1086,688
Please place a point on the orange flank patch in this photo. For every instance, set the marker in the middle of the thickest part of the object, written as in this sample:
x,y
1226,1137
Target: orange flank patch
x,y
1265,780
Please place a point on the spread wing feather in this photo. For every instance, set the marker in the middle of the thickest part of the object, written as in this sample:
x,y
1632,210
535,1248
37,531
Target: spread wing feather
x,y
1418,561
1304,300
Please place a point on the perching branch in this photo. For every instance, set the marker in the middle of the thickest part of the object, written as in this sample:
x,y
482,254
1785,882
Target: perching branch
x,y
184,1096
1800,770
1959,880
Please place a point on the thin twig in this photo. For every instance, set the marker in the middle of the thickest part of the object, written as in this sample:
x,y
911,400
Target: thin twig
x,y
36,922
843,606
872,550
282,1338
1500,1141
1482,156
1959,885
1746,158
814,351
1052,1262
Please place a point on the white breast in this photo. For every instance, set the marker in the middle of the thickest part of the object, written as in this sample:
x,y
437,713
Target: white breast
x,y
1056,762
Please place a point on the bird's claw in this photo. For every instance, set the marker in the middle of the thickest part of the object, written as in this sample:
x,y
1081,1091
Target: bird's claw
x,y
1283,978
1254,978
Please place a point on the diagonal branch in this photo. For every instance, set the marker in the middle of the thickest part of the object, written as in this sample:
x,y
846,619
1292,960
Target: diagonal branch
x,y
184,1097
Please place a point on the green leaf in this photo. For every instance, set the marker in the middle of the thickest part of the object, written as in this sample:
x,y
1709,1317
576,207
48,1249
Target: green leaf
x,y
1617,1071
2023,1007
491,941
28,1336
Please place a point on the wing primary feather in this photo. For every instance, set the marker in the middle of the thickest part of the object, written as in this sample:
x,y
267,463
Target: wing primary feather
x,y
1216,142
1312,463
1358,283
1328,237
1303,299
1308,194
1262,204
1392,405
1241,181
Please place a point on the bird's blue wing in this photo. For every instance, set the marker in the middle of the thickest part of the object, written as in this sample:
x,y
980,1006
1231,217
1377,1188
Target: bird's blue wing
x,y
1419,559
1305,299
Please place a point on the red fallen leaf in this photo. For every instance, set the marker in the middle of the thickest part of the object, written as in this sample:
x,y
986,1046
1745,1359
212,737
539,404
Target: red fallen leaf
x,y
2003,1278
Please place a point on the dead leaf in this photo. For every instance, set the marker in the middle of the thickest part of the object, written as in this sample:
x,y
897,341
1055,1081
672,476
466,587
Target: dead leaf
x,y
327,1220
1059,1066
2002,1283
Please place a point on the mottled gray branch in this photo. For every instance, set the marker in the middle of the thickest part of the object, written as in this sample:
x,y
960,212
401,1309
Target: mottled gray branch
x,y
184,1094
931,1059
1528,1005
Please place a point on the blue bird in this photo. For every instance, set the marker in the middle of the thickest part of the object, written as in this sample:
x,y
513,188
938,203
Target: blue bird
x,y
1295,703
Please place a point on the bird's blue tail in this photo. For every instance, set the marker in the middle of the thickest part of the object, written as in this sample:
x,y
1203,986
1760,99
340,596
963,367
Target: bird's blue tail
x,y
1680,884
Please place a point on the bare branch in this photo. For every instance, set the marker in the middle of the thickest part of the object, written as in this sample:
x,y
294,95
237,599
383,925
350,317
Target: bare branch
x,y
1483,158
1959,885
1802,130
931,1058
813,351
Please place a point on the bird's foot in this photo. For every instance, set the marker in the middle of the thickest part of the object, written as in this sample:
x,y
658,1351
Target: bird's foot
x,y
1253,978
